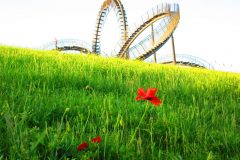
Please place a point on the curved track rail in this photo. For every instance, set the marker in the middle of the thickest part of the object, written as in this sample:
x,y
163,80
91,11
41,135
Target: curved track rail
x,y
122,18
160,12
68,45
162,33
187,60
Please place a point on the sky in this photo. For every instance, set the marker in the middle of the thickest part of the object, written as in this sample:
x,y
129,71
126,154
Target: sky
x,y
208,29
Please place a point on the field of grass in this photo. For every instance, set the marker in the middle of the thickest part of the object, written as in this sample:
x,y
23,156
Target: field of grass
x,y
50,103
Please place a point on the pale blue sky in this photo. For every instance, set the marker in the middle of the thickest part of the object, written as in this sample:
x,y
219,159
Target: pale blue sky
x,y
208,28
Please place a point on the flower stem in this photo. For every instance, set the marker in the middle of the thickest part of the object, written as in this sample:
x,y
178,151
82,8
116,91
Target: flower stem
x,y
134,134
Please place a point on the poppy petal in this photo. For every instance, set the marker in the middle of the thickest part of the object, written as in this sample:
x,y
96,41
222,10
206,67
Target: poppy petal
x,y
97,139
151,92
141,92
82,146
156,101
138,98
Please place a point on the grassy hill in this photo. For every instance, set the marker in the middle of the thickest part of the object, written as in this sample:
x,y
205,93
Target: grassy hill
x,y
50,103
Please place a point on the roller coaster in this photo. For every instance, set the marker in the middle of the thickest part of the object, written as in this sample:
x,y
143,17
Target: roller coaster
x,y
186,60
68,45
164,16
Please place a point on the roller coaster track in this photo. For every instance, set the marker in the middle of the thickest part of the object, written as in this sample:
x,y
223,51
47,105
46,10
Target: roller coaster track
x,y
68,45
122,18
160,12
186,60
169,14
162,33
170,28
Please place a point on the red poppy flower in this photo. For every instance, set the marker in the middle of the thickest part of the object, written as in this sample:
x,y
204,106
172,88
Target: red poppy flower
x,y
82,146
96,139
149,95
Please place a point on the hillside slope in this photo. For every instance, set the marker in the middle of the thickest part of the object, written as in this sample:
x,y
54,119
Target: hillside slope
x,y
52,102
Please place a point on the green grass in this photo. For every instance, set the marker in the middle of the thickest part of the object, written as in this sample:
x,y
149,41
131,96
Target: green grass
x,y
199,118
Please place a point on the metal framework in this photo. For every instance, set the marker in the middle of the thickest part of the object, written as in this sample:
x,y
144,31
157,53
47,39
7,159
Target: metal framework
x,y
168,15
122,19
68,45
186,60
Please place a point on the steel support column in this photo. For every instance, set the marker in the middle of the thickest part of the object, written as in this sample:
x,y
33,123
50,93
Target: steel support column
x,y
153,43
173,51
